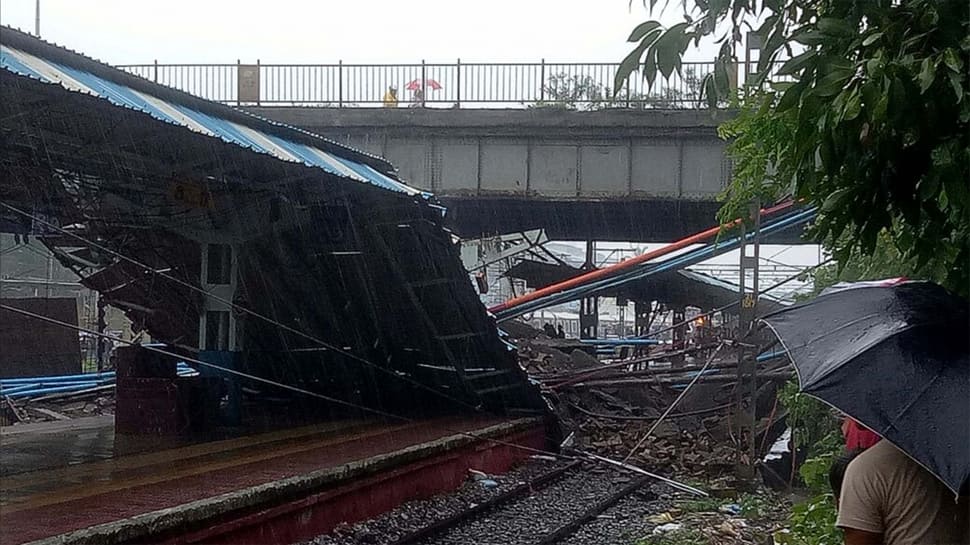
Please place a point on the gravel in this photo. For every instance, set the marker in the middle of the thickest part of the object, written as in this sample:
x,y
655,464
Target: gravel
x,y
528,519
417,514
626,522
524,520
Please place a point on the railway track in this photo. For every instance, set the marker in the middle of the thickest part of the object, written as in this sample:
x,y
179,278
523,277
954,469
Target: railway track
x,y
545,510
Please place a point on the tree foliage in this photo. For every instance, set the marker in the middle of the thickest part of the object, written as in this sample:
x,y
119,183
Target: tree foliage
x,y
860,107
885,261
584,93
815,427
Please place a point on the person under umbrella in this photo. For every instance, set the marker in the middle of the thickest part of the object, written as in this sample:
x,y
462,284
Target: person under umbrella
x,y
886,497
417,88
894,357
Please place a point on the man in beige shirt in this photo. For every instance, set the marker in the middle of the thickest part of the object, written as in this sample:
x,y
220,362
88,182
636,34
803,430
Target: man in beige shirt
x,y
888,498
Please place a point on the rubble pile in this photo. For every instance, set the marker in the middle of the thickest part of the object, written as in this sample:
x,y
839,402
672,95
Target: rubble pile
x,y
696,443
611,411
543,356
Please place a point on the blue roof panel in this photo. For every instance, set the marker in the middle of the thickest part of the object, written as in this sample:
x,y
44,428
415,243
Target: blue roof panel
x,y
75,79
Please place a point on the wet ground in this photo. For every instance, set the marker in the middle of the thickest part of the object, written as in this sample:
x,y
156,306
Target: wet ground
x,y
31,447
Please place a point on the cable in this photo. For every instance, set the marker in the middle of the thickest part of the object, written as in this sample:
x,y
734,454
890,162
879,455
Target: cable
x,y
630,263
271,382
624,363
641,418
255,314
674,404
645,270
302,390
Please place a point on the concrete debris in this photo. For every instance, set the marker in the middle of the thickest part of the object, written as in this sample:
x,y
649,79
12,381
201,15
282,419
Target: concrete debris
x,y
52,414
543,457
581,359
669,527
730,509
32,411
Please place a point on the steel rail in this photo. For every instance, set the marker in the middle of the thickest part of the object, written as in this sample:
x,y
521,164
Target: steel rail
x,y
447,523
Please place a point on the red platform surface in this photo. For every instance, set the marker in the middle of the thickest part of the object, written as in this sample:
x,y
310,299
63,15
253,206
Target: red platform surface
x,y
270,488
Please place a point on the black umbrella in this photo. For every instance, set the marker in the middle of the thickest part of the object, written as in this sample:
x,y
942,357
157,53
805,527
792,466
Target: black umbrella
x,y
894,358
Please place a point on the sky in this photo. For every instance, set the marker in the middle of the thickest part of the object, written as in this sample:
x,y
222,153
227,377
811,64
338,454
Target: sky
x,y
325,31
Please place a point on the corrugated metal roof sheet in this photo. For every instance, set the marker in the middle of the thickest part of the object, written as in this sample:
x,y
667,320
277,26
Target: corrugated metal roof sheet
x,y
78,80
724,284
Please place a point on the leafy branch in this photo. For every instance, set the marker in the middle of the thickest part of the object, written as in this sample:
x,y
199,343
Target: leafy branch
x,y
868,117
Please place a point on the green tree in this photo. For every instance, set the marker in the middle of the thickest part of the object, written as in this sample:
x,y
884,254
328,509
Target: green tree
x,y
868,117
584,93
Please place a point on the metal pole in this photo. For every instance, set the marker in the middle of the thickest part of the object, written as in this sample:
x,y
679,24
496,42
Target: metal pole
x,y
37,18
741,467
155,75
238,94
424,83
589,306
542,82
101,327
747,366
750,355
458,84
340,84
50,273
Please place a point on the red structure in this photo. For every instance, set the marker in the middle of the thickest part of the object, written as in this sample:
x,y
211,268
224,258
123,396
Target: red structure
x,y
279,487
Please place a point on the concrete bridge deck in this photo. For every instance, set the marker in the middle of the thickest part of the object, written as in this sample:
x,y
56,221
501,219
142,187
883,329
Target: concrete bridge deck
x,y
614,174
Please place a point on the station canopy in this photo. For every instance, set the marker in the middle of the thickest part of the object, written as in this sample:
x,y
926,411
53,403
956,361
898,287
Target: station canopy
x,y
126,180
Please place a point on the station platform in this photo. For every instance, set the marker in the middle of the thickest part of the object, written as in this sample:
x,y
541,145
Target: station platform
x,y
74,482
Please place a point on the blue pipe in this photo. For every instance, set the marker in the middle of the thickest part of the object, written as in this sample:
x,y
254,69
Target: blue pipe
x,y
770,356
4,390
620,342
53,390
83,377
695,256
48,382
690,258
75,384
38,389
57,378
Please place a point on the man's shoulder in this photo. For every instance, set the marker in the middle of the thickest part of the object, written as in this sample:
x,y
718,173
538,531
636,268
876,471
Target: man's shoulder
x,y
882,452
874,466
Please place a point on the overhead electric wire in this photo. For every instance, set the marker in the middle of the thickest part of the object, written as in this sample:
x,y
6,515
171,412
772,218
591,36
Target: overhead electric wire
x,y
622,363
680,261
318,395
630,263
250,312
271,382
675,402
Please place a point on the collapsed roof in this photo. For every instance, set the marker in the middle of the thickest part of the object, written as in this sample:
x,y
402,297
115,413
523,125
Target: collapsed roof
x,y
343,269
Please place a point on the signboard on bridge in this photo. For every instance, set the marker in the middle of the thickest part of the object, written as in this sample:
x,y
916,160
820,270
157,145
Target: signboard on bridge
x,y
247,83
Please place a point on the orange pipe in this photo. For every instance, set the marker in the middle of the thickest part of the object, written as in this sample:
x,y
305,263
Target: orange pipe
x,y
629,263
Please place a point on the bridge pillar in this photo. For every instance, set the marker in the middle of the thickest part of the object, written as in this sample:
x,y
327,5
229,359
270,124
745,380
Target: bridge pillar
x,y
589,306
680,334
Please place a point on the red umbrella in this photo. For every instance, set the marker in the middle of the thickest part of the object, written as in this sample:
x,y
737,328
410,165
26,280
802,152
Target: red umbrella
x,y
416,84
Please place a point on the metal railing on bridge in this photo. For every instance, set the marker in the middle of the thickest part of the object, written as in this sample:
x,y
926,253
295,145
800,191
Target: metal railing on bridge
x,y
456,85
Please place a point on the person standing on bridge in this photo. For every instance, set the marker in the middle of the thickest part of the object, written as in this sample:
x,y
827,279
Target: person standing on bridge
x,y
390,97
417,99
